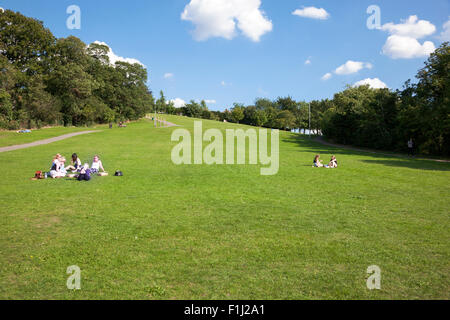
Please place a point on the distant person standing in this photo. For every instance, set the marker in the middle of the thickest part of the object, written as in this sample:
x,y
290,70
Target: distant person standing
x,y
411,147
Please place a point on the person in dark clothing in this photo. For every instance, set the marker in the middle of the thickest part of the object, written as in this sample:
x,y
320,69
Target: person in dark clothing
x,y
411,147
85,173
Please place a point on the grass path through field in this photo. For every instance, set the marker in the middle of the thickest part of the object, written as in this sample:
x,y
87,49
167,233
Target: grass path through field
x,y
13,138
42,142
163,123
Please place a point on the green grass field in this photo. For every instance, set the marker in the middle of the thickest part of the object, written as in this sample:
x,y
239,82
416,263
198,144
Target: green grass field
x,y
11,138
222,232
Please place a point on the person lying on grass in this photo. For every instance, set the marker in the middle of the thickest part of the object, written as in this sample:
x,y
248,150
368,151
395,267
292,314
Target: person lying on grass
x,y
85,173
57,165
97,165
75,164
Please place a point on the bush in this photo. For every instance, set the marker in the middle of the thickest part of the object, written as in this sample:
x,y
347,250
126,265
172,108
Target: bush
x,y
13,125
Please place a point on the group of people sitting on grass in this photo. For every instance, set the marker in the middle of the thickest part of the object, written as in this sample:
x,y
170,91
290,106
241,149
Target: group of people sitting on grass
x,y
79,171
318,163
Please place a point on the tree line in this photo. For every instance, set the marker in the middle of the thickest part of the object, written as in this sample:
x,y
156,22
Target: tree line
x,y
50,81
359,116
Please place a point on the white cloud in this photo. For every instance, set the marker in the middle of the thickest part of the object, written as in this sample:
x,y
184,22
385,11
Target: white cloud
x,y
352,67
445,34
327,76
168,75
411,27
398,47
308,62
312,12
219,18
349,67
373,83
178,103
403,40
113,58
211,101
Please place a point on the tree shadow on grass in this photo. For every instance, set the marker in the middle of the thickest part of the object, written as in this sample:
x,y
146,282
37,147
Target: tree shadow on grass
x,y
310,145
411,164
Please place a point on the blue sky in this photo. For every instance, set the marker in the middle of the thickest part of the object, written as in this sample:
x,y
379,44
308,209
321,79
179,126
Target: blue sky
x,y
261,54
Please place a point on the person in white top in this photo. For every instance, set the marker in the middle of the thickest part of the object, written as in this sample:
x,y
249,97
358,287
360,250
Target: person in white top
x,y
333,163
97,165
62,168
56,169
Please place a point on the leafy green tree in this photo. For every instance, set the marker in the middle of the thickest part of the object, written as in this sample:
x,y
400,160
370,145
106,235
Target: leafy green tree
x,y
263,104
260,118
285,120
215,115
99,52
73,86
433,95
254,116
272,116
134,99
203,105
170,108
227,116
8,78
250,115
6,108
302,116
161,103
237,113
361,116
287,103
44,79
24,42
206,114
40,106
193,110
70,50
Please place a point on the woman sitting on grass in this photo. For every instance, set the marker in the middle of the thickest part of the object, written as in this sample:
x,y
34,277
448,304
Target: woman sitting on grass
x,y
57,165
317,162
97,165
75,164
333,163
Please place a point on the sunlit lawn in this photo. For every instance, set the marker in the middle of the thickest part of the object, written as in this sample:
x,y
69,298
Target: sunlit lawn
x,y
221,232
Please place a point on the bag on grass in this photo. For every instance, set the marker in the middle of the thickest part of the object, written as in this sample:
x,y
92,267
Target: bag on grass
x,y
118,174
39,175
